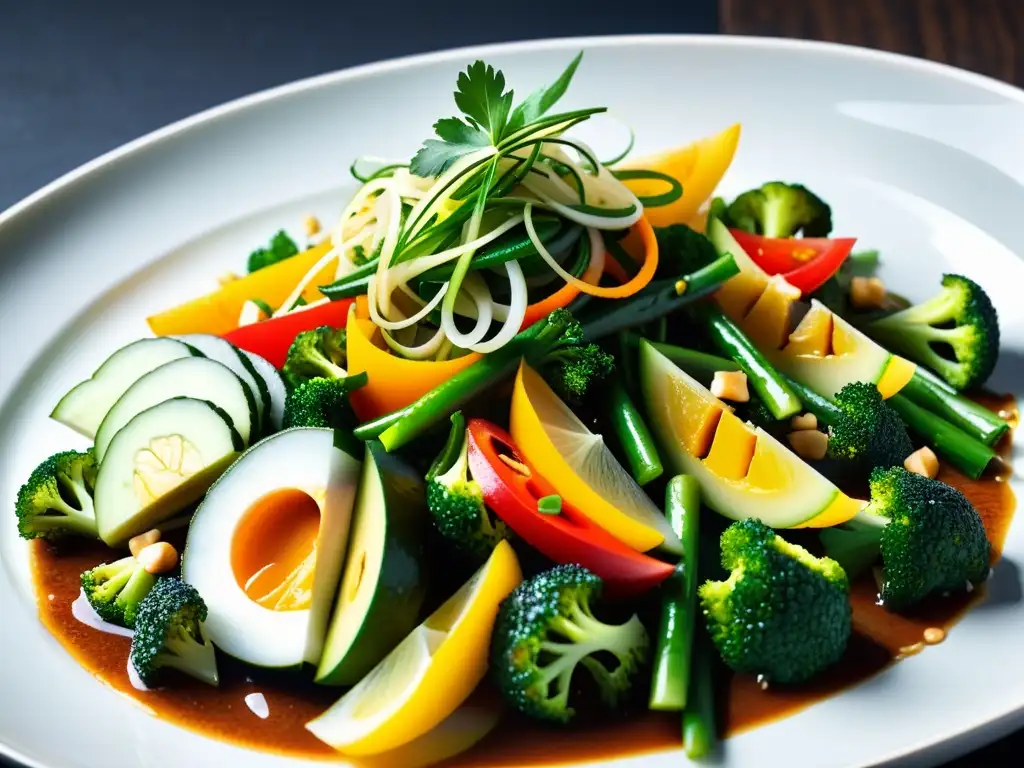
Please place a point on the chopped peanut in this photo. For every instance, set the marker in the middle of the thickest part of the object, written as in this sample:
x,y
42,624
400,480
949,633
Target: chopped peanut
x,y
804,421
867,293
312,224
158,558
923,461
730,385
138,543
934,635
809,443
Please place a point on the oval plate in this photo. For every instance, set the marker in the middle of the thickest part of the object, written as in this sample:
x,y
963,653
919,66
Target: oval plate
x,y
919,160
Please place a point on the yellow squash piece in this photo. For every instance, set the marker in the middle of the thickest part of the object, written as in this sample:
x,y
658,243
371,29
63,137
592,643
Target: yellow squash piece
x,y
699,167
813,336
218,312
582,469
748,473
769,321
429,675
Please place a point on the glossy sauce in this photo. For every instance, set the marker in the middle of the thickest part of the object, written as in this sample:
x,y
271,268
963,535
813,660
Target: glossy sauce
x,y
880,638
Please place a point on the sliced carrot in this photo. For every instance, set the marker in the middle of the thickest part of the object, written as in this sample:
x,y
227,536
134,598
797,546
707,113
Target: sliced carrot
x,y
642,245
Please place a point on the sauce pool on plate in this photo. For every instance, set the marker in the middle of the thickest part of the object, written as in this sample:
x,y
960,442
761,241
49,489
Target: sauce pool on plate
x,y
268,710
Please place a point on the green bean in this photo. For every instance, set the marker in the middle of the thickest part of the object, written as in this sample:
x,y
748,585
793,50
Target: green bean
x,y
633,435
672,660
963,451
929,391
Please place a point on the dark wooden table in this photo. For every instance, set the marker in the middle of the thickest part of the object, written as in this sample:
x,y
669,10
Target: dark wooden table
x,y
77,80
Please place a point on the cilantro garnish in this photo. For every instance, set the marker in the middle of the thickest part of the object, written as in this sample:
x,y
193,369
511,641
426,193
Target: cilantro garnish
x,y
489,117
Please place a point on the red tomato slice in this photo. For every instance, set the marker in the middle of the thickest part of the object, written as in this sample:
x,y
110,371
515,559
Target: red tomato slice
x,y
566,537
805,262
271,338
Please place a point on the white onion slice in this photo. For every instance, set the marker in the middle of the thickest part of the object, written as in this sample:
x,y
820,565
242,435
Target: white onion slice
x,y
515,313
597,253
481,295
424,351
313,271
397,325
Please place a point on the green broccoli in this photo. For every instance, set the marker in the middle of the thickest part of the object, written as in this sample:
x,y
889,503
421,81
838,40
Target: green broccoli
x,y
281,247
316,353
115,590
930,537
682,250
566,363
864,432
778,209
56,500
169,634
955,333
456,502
782,614
321,402
546,628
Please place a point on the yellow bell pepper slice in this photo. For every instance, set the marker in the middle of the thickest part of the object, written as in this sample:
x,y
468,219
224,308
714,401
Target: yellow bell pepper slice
x,y
699,167
218,312
430,674
393,382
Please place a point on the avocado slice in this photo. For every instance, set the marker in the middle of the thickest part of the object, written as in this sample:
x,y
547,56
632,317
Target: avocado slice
x,y
384,579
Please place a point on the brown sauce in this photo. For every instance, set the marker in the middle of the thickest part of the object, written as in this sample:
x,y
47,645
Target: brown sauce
x,y
880,639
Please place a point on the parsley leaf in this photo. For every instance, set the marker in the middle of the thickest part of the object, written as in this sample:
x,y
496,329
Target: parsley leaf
x,y
281,247
482,97
541,100
456,139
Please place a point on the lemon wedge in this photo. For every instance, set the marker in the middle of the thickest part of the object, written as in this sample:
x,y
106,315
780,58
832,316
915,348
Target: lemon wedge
x,y
460,731
699,167
429,675
582,468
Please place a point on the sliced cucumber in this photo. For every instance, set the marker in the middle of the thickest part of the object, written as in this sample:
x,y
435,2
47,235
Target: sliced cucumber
x,y
275,388
382,587
161,461
84,407
295,464
226,353
196,377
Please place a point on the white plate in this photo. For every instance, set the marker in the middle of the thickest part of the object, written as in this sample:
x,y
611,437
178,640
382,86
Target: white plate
x,y
922,161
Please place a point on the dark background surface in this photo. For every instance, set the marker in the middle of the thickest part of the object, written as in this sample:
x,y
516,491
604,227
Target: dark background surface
x,y
78,78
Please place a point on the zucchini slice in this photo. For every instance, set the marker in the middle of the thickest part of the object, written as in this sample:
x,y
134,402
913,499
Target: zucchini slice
x,y
196,377
226,353
83,407
161,461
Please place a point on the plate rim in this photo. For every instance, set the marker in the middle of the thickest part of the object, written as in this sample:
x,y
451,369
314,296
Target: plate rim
x,y
972,736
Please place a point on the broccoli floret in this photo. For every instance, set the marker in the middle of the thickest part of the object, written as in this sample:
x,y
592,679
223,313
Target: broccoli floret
x,y
955,333
545,628
316,353
778,209
930,537
56,500
782,614
321,402
281,247
866,431
566,363
456,502
682,250
169,633
115,590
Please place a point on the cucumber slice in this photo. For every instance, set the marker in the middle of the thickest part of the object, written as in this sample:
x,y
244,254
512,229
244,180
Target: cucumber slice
x,y
197,377
226,353
277,479
83,408
275,388
161,461
382,588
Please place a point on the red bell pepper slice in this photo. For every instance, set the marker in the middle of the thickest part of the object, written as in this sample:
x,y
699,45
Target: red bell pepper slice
x,y
805,262
566,537
271,338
